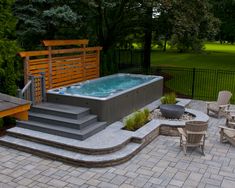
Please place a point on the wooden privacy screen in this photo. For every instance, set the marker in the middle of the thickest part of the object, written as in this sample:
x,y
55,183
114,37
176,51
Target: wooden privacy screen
x,y
64,62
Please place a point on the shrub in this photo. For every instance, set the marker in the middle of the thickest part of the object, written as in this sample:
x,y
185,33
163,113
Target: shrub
x,y
146,113
129,124
136,120
169,98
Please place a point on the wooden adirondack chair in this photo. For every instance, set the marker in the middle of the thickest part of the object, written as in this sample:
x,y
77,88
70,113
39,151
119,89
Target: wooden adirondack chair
x,y
221,105
193,135
227,134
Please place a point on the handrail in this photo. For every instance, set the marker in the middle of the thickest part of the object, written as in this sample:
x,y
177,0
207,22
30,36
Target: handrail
x,y
33,91
22,91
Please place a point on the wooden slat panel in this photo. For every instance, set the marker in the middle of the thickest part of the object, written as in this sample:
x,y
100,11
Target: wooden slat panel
x,y
62,66
38,61
61,79
88,50
66,83
40,66
34,53
64,42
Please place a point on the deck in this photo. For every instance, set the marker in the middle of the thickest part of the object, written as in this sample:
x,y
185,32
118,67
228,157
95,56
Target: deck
x,y
15,107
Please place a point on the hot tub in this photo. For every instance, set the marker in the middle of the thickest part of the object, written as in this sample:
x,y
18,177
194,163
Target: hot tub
x,y
110,97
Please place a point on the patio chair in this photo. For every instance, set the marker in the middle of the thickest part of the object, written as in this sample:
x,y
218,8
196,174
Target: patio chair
x,y
227,134
193,135
221,105
230,118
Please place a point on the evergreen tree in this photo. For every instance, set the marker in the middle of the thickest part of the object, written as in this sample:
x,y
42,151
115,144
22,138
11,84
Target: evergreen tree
x,y
40,19
8,49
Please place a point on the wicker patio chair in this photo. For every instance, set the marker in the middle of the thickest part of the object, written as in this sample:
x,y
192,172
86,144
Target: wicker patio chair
x,y
221,105
227,134
193,135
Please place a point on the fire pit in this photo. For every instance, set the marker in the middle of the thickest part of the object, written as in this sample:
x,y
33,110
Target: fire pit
x,y
172,111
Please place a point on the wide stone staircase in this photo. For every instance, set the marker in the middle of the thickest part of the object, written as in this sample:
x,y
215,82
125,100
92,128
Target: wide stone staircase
x,y
62,120
71,134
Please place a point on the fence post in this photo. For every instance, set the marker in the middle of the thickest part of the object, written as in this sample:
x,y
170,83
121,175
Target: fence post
x,y
19,94
119,56
193,83
43,86
131,57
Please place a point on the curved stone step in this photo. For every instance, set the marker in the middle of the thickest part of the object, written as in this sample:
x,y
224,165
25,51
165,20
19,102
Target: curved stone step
x,y
63,142
73,157
66,111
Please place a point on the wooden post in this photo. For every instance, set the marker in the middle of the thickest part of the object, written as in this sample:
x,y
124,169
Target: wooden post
x,y
26,69
98,62
50,67
84,61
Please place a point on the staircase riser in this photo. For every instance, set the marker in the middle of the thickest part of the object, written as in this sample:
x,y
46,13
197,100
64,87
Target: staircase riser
x,y
63,124
61,114
69,160
93,132
74,149
50,131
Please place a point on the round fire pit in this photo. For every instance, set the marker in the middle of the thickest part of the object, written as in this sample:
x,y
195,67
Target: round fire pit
x,y
172,111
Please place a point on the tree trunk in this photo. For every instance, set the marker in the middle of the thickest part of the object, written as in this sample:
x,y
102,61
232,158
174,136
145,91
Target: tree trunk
x,y
147,38
165,41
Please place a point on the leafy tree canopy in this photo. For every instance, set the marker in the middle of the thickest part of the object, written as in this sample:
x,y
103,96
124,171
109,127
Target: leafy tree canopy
x,y
225,11
187,23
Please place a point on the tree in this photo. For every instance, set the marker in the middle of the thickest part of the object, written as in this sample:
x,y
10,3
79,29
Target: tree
x,y
110,20
8,49
193,23
224,10
40,19
162,25
109,23
188,22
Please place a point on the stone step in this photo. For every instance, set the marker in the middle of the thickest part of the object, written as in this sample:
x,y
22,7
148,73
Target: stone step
x,y
63,130
66,111
72,157
63,142
62,121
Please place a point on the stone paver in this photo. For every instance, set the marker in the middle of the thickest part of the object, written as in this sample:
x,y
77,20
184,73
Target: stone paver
x,y
160,164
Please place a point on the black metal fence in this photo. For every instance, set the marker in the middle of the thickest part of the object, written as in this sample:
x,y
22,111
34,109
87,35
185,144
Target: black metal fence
x,y
121,59
129,58
197,83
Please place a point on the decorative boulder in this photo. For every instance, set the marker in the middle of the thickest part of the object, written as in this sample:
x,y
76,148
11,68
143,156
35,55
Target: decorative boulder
x,y
172,111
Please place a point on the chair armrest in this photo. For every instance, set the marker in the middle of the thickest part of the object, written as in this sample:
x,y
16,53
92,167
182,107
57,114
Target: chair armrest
x,y
229,111
227,128
195,132
182,132
224,106
210,102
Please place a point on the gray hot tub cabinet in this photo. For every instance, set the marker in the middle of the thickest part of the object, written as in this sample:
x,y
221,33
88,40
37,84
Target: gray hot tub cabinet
x,y
114,107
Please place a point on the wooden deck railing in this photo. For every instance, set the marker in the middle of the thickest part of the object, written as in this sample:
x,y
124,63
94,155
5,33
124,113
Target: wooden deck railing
x,y
64,62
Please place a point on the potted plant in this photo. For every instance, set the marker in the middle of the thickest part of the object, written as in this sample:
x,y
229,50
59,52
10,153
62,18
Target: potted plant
x,y
169,108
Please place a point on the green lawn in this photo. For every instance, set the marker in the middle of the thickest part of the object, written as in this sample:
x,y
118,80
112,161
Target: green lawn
x,y
215,56
207,82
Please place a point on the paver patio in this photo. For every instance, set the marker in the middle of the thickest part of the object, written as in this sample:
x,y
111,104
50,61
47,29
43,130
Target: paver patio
x,y
160,164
